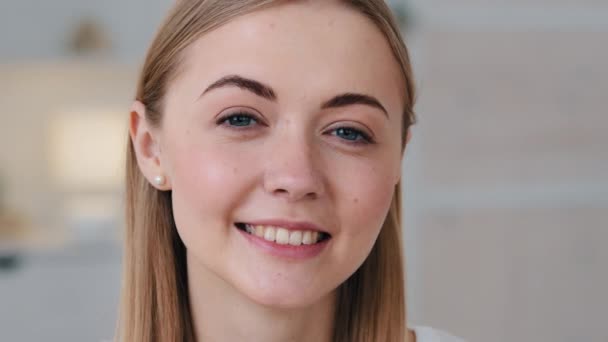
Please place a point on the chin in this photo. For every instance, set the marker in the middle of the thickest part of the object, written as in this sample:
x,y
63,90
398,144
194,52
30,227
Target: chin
x,y
283,296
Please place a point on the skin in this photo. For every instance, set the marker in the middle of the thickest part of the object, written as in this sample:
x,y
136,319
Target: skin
x,y
291,162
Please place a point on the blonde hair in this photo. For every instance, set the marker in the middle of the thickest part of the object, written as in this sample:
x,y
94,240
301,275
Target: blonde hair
x,y
154,300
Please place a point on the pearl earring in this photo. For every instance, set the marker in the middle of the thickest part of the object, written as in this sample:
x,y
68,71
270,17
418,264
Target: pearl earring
x,y
159,180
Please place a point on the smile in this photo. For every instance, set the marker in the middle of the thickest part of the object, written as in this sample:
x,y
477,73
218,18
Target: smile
x,y
282,235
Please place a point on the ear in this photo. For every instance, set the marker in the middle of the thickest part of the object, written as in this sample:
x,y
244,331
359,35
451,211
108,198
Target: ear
x,y
146,143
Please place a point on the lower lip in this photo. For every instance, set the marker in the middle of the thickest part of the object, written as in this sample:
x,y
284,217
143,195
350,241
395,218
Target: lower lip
x,y
300,252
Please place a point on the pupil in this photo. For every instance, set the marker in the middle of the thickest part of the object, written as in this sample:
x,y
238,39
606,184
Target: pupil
x,y
240,120
347,133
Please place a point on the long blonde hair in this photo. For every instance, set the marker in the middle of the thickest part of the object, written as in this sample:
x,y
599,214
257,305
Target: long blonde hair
x,y
154,300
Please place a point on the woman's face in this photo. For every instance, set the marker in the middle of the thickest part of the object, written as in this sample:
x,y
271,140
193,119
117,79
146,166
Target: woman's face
x,y
287,123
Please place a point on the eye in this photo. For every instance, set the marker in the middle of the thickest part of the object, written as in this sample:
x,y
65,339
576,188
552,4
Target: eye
x,y
238,120
352,135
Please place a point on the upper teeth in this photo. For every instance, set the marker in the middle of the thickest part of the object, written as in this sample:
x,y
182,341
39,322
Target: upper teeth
x,y
283,236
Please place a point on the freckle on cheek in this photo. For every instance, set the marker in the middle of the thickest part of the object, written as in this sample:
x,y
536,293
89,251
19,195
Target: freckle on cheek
x,y
356,200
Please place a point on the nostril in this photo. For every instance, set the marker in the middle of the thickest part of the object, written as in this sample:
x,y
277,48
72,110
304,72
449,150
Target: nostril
x,y
311,195
281,192
294,194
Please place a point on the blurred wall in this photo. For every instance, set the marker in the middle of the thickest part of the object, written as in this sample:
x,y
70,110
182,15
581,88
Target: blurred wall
x,y
60,291
34,29
40,77
507,180
32,96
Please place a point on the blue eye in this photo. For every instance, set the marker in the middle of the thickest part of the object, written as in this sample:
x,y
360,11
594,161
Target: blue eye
x,y
238,120
353,136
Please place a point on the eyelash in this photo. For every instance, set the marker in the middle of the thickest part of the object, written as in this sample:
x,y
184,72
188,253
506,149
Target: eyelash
x,y
365,139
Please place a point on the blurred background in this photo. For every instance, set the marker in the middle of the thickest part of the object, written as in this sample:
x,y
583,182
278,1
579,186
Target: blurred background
x,y
506,178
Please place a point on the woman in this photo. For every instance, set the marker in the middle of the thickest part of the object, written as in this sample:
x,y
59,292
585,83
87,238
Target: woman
x,y
263,175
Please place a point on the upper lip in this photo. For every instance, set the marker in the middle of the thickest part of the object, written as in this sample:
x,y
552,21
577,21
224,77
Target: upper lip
x,y
291,225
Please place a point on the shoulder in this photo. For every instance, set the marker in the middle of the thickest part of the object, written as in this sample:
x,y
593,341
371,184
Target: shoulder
x,y
428,334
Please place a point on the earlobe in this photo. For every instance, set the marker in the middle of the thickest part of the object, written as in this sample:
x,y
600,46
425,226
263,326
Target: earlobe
x,y
146,144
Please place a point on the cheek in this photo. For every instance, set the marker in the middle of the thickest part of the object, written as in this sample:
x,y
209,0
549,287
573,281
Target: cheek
x,y
365,195
205,184
362,203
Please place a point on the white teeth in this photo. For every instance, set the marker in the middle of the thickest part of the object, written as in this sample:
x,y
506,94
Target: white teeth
x,y
295,238
307,238
284,236
259,231
269,234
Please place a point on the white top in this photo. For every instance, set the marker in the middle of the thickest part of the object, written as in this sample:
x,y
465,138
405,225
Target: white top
x,y
428,334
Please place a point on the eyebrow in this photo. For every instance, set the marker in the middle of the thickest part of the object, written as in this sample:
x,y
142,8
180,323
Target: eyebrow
x,y
244,83
348,99
262,90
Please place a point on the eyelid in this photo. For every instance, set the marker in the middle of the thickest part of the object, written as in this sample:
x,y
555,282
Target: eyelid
x,y
354,126
245,111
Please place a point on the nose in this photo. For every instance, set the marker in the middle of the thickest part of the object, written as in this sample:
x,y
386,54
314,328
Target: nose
x,y
293,170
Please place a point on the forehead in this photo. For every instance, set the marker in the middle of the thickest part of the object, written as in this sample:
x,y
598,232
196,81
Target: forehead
x,y
304,49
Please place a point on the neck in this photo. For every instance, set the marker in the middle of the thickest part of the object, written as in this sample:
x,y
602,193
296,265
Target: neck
x,y
221,313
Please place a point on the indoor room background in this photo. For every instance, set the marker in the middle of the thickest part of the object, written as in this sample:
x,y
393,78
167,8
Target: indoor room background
x,y
505,181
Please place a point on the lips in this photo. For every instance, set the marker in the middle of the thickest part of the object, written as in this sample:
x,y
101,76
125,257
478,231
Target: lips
x,y
286,240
